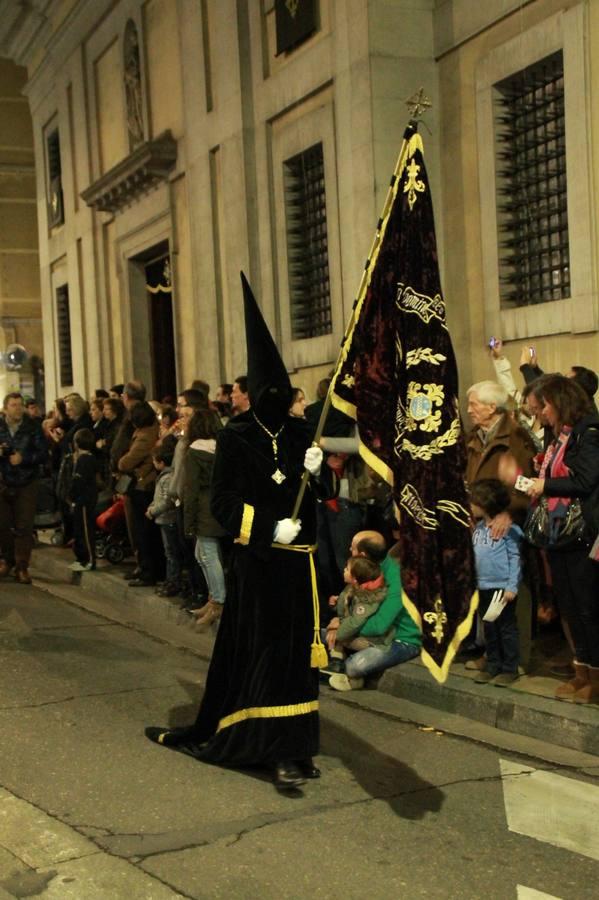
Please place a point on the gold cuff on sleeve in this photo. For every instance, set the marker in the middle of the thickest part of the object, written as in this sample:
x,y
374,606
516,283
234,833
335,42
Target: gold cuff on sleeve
x,y
246,525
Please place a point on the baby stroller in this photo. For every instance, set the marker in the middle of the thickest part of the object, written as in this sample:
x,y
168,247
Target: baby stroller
x,y
112,538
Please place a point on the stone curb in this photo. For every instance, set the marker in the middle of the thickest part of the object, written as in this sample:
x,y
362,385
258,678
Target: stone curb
x,y
569,725
106,593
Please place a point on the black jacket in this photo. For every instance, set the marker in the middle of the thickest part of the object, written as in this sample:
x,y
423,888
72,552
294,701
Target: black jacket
x,y
582,459
84,489
84,421
30,442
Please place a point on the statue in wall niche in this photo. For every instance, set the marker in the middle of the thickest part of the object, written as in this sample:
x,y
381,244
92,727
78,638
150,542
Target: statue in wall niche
x,y
132,70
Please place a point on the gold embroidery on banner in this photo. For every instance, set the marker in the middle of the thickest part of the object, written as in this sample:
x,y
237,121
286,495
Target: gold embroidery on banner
x,y
412,503
245,530
436,446
456,511
292,6
425,307
423,354
408,148
348,380
421,399
268,712
438,618
414,184
398,350
401,421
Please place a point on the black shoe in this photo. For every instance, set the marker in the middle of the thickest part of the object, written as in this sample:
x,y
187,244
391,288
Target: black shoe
x,y
287,776
194,601
168,737
334,667
307,767
169,589
142,582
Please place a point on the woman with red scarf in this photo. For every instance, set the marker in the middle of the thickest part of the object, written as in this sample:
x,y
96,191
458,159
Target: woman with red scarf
x,y
570,471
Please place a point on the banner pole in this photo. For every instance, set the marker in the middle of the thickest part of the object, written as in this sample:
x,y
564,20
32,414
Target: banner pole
x,y
389,199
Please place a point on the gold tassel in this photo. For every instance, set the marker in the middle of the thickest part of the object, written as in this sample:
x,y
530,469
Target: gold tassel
x,y
318,656
318,653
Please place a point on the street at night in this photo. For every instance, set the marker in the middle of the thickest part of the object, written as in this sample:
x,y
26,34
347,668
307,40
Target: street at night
x,y
90,809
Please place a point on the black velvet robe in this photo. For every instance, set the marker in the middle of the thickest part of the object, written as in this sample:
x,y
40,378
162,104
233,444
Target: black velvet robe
x,y
260,704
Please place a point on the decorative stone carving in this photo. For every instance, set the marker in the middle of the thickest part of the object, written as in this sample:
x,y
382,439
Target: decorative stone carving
x,y
133,92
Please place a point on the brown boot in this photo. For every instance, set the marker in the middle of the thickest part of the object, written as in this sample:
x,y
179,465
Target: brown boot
x,y
581,678
21,574
5,568
589,693
209,613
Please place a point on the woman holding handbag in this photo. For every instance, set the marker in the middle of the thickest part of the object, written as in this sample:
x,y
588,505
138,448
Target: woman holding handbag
x,y
568,489
138,463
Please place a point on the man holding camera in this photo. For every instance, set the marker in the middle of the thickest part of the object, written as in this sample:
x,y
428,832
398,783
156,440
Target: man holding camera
x,y
22,450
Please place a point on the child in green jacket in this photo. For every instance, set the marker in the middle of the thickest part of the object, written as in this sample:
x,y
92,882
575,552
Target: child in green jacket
x,y
358,601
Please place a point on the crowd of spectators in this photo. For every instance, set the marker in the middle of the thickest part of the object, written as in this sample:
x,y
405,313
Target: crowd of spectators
x,y
531,449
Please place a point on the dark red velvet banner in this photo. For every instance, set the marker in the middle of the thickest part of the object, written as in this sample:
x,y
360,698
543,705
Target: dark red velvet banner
x,y
398,379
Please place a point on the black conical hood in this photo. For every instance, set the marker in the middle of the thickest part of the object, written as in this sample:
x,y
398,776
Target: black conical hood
x,y
269,387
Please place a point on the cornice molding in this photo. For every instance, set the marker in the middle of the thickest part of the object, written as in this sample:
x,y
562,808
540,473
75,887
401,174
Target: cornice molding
x,y
61,43
137,174
24,25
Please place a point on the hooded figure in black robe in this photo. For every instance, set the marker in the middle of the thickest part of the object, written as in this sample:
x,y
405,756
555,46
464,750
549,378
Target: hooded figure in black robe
x,y
260,705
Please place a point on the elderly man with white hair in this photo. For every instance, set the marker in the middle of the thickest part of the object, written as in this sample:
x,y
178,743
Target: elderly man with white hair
x,y
497,447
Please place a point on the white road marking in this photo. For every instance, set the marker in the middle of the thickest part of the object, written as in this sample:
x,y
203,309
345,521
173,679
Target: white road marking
x,y
526,893
551,808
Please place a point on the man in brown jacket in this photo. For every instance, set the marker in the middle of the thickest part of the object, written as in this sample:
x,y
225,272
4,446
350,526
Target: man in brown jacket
x,y
500,448
497,448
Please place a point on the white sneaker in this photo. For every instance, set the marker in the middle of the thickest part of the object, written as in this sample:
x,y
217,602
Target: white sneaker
x,y
79,567
345,683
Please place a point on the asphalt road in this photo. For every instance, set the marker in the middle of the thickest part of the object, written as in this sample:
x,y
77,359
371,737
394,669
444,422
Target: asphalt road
x,y
91,810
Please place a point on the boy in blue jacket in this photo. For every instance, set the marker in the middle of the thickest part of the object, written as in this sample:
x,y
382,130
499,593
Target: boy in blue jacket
x,y
498,568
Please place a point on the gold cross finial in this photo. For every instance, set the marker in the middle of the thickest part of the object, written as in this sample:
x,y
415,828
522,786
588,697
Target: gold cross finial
x,y
418,104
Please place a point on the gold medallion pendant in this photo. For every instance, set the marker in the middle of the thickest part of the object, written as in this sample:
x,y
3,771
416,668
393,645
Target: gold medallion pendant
x,y
277,476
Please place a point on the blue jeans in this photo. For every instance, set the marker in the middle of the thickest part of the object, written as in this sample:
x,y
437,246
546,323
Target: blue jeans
x,y
377,659
208,554
501,636
172,551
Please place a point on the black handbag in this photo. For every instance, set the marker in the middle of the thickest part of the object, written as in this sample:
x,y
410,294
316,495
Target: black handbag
x,y
548,532
124,484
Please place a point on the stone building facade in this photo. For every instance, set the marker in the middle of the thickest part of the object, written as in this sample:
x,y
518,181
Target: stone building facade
x,y
172,142
20,304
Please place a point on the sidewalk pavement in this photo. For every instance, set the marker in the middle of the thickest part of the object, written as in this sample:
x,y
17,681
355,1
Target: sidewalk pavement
x,y
526,708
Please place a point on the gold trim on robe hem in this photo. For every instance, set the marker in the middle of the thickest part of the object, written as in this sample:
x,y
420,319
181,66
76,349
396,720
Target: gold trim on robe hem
x,y
268,712
245,529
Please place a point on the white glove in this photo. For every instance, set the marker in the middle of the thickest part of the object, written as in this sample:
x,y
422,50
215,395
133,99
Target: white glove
x,y
313,460
286,530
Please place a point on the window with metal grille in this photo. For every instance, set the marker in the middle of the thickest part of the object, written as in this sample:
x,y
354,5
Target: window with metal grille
x,y
65,356
307,249
534,263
